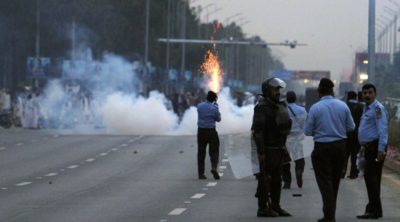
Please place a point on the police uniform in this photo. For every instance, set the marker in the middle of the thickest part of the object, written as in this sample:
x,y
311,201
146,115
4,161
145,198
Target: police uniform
x,y
328,122
208,114
271,125
373,137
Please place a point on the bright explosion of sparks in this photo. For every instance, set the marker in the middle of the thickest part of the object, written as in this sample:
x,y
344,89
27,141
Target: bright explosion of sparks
x,y
211,67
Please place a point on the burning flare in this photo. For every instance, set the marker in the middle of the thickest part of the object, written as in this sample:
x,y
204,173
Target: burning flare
x,y
211,67
212,70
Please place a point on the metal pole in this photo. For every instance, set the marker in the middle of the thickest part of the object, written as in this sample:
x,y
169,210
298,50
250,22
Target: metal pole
x,y
168,35
394,35
371,42
37,29
146,45
183,32
73,39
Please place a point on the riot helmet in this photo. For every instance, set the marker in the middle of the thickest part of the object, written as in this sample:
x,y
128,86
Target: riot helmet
x,y
271,84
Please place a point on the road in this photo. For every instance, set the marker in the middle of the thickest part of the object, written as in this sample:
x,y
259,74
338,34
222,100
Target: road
x,y
50,176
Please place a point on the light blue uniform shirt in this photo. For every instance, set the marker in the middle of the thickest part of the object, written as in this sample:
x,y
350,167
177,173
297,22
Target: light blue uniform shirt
x,y
298,120
329,120
208,114
374,125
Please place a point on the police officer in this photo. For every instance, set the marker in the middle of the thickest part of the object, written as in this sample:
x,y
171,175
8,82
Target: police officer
x,y
271,125
328,122
208,114
373,137
352,144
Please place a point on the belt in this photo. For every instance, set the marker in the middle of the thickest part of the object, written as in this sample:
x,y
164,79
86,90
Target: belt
x,y
327,143
369,144
274,147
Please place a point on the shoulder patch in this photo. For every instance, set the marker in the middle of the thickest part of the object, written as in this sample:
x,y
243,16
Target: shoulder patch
x,y
378,112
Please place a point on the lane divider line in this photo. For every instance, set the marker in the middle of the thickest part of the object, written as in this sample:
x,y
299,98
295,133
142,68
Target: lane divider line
x,y
51,174
90,160
177,211
222,167
23,183
211,184
198,195
73,166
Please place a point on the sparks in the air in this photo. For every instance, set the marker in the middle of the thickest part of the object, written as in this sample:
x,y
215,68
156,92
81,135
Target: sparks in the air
x,y
211,67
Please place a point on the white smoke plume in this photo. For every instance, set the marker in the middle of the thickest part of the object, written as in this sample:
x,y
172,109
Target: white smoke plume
x,y
104,94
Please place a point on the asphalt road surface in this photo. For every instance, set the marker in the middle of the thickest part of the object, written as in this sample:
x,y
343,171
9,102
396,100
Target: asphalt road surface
x,y
48,176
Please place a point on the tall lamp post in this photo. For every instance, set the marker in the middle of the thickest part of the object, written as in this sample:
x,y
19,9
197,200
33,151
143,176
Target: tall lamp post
x,y
371,41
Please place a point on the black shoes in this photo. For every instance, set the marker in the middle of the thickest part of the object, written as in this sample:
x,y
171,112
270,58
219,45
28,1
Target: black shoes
x,y
326,220
215,174
369,216
281,212
202,177
266,213
300,182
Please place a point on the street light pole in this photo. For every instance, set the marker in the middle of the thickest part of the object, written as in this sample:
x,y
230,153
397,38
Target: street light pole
x,y
371,41
146,45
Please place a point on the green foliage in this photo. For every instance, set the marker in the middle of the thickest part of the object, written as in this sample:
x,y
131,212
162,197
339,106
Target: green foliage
x,y
116,26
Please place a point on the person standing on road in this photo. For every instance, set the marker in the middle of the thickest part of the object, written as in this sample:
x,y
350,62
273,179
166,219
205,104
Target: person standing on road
x,y
294,143
271,125
352,144
373,137
328,122
208,114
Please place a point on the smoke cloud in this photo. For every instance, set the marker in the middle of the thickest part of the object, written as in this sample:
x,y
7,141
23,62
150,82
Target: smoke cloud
x,y
104,94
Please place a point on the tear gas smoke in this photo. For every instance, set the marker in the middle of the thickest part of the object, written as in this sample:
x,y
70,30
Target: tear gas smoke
x,y
104,94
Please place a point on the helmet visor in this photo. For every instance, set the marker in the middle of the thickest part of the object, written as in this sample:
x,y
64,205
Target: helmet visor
x,y
276,82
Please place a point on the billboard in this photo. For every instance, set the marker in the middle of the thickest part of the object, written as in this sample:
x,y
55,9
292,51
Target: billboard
x,y
38,67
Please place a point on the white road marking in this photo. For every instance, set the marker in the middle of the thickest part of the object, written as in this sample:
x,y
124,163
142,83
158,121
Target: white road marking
x,y
103,154
73,166
4,188
221,174
225,154
187,202
222,167
114,149
51,174
205,188
90,160
38,178
62,170
2,148
19,144
225,160
198,195
211,184
163,220
23,184
177,211
124,145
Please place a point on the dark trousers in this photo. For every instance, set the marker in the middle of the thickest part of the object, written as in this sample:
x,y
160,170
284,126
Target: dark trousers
x,y
372,177
269,180
207,137
327,160
352,149
299,169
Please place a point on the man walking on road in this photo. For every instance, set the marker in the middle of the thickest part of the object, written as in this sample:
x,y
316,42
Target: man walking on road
x,y
208,114
352,144
373,137
328,122
294,141
271,125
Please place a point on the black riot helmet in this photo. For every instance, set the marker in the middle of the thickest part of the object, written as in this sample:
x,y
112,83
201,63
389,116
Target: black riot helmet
x,y
272,83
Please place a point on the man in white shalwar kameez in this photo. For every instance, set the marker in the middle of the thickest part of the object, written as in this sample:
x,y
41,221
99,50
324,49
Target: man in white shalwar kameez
x,y
294,142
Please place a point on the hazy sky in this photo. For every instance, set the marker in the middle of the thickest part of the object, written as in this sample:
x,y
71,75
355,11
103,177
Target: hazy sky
x,y
333,29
